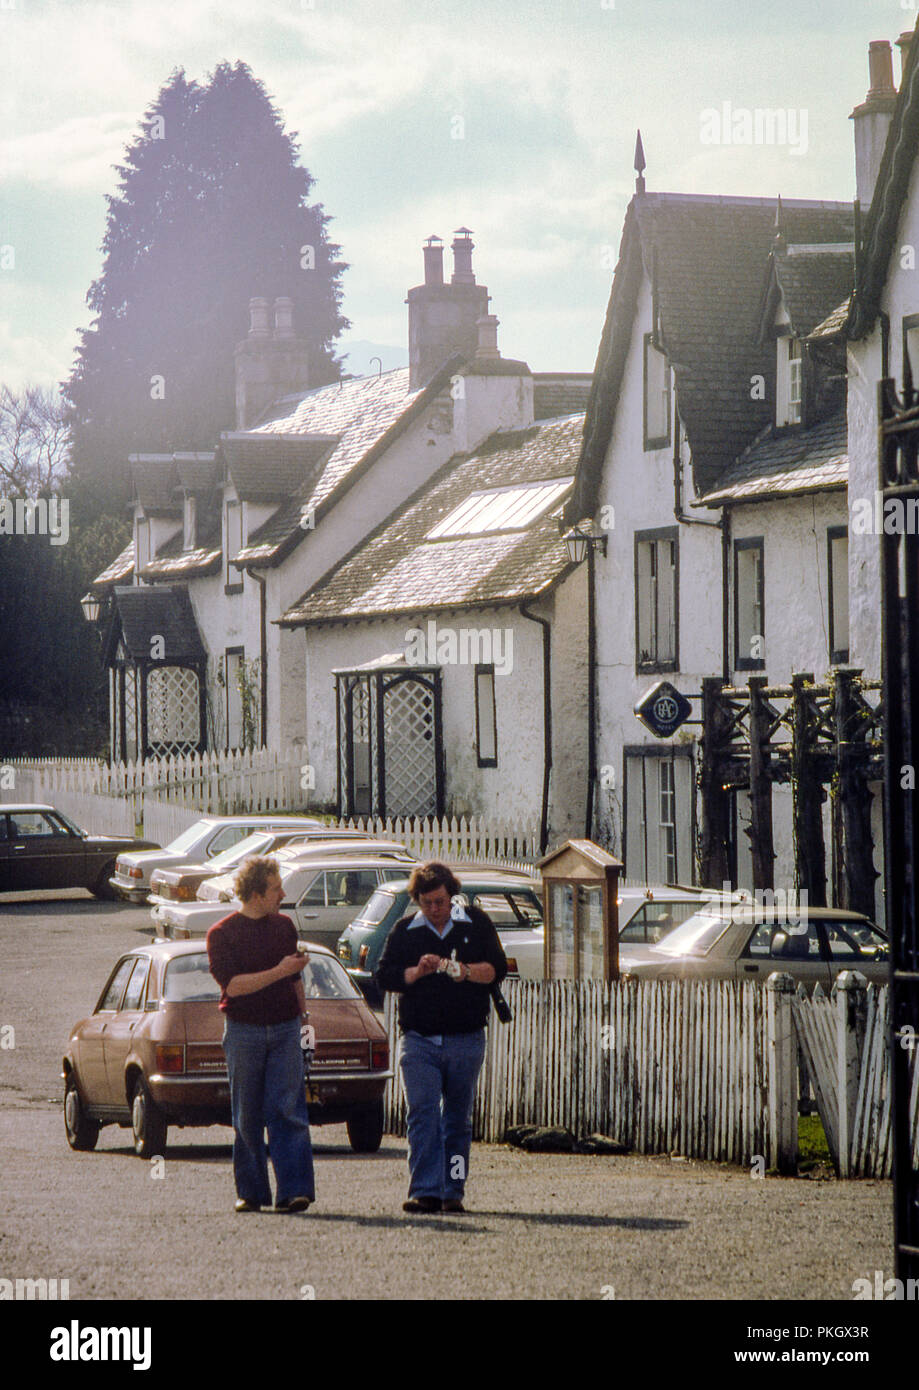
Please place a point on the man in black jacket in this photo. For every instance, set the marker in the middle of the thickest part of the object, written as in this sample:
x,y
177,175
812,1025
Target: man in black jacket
x,y
442,961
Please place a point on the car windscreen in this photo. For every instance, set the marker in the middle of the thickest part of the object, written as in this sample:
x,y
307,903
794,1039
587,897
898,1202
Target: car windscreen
x,y
69,823
324,978
375,908
696,936
507,907
186,840
255,843
189,978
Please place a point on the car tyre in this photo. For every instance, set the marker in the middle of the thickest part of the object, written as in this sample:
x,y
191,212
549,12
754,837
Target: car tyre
x,y
148,1123
102,889
365,1128
82,1132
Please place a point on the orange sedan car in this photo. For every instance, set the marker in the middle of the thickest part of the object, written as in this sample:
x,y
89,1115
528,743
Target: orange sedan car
x,y
150,1056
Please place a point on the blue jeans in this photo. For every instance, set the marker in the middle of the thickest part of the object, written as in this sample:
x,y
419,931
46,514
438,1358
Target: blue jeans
x,y
267,1088
440,1079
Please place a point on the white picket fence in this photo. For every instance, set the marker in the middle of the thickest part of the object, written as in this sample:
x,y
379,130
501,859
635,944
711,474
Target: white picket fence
x,y
161,797
658,1066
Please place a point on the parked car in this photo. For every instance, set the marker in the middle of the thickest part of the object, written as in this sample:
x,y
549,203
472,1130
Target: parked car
x,y
748,941
42,848
150,1055
207,838
181,884
321,892
512,900
649,913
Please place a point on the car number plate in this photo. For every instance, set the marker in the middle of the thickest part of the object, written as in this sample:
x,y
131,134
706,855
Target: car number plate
x,y
312,1093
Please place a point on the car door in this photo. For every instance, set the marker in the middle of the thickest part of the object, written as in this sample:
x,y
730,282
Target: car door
x,y
795,948
90,1051
118,1037
855,945
331,900
42,853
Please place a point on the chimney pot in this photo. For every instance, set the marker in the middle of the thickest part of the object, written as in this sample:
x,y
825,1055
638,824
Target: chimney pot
x,y
433,261
258,318
880,69
903,43
462,257
283,317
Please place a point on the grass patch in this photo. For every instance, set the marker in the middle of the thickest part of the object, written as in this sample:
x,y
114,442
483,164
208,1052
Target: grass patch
x,y
812,1145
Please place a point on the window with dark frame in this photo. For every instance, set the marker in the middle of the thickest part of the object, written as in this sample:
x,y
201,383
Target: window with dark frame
x,y
837,559
233,580
749,605
789,387
656,600
233,661
486,719
656,412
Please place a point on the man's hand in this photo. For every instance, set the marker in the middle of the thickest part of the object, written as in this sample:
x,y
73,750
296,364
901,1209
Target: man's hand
x,y
291,965
426,966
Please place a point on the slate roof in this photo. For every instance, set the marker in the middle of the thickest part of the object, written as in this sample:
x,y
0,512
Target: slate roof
x,y
142,613
398,570
269,467
196,472
879,232
812,283
560,393
365,416
833,324
173,562
707,256
786,463
120,568
156,482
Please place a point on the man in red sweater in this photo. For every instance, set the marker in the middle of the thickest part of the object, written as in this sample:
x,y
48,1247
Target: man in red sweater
x,y
254,958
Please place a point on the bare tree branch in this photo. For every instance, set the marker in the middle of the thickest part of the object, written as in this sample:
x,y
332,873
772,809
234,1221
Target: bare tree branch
x,y
34,440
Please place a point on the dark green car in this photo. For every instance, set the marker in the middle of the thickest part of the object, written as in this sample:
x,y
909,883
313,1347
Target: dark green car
x,y
512,900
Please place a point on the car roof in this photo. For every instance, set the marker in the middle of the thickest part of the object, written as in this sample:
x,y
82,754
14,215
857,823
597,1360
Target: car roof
x,y
160,949
765,912
264,818
662,892
345,864
474,880
26,806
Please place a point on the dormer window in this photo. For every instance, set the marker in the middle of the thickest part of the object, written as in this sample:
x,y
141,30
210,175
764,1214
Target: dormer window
x,y
188,534
789,381
656,396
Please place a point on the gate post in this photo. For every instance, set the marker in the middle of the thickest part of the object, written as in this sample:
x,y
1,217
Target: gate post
x,y
807,795
761,843
714,870
849,998
782,1072
852,804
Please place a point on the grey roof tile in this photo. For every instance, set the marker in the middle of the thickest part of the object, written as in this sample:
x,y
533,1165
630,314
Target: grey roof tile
x,y
786,462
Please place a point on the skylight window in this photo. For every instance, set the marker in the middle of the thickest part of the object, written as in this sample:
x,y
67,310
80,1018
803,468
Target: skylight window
x,y
501,509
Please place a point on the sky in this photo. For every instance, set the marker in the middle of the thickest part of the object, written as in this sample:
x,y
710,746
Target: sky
x,y
415,117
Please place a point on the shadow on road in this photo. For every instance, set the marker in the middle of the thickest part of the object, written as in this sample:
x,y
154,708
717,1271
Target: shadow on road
x,y
467,1222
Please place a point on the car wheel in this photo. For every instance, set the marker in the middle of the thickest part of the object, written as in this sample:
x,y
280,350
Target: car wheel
x,y
82,1132
148,1123
102,889
365,1128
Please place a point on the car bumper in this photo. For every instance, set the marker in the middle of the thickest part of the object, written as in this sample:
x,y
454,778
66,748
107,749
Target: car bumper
x,y
127,889
174,1094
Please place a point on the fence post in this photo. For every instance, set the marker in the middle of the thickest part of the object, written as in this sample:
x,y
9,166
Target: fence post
x,y
849,995
782,1064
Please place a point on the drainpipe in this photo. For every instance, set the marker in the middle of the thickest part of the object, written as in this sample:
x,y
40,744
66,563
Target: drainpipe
x,y
262,582
546,720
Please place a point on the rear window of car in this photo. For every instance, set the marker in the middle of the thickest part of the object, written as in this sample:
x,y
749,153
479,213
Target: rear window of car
x,y
324,978
521,909
187,839
375,909
696,936
189,977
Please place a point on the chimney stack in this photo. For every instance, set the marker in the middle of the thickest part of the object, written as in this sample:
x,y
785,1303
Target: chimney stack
x,y
487,326
872,120
443,319
268,366
903,43
433,261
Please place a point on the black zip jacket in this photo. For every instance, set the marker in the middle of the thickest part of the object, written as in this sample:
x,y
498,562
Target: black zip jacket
x,y
435,1003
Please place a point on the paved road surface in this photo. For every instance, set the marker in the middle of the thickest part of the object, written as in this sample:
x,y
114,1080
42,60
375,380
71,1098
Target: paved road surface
x,y
541,1226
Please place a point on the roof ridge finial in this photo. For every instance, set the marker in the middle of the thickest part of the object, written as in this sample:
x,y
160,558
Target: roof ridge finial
x,y
639,164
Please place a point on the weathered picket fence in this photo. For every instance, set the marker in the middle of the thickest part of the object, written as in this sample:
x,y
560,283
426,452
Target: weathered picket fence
x,y
707,1070
845,1039
473,838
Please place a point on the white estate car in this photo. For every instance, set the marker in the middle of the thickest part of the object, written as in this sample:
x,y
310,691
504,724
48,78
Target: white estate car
x,y
322,889
207,838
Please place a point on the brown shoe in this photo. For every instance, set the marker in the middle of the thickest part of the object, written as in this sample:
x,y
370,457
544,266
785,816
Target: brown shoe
x,y
453,1204
294,1204
426,1204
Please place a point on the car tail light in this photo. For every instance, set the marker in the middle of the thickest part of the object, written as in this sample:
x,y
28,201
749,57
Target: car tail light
x,y
344,951
170,1057
136,872
184,892
362,954
182,934
512,965
379,1056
